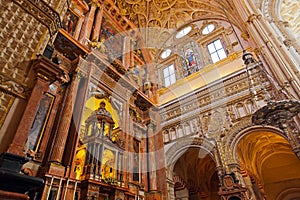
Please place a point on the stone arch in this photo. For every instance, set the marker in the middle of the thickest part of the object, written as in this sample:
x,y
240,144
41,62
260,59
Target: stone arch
x,y
179,181
263,147
289,194
243,128
178,149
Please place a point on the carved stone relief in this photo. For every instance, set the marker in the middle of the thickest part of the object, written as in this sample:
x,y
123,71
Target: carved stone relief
x,y
290,12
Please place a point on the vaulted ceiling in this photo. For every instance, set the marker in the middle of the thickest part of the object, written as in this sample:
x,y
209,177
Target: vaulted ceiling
x,y
171,14
167,16
161,18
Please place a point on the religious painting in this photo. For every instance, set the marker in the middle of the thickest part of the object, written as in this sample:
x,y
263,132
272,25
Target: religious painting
x,y
112,40
40,122
69,22
190,58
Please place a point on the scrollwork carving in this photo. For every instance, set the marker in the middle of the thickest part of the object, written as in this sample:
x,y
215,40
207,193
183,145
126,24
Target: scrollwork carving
x,y
11,86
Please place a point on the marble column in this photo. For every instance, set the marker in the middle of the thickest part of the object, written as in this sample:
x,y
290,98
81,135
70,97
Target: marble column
x,y
88,23
97,25
18,143
78,27
151,155
126,52
65,121
143,154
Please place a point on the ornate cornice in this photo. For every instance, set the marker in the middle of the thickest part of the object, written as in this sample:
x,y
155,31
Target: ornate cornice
x,y
49,71
232,89
68,46
43,13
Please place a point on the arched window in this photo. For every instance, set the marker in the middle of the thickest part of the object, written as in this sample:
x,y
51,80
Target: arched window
x,y
166,53
208,29
183,32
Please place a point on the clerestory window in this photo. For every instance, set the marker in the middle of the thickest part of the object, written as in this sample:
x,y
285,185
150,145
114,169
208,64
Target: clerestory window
x,y
216,51
169,75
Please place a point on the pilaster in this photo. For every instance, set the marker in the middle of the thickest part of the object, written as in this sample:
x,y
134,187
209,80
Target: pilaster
x,y
46,73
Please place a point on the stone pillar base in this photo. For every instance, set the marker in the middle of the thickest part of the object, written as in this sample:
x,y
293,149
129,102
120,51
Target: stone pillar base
x,y
55,169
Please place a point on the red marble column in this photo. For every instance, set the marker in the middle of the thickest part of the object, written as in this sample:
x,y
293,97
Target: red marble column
x,y
88,23
152,160
18,143
78,27
97,25
126,123
144,163
44,73
64,124
13,195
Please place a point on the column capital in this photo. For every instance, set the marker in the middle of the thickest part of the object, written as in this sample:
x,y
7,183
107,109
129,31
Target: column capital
x,y
251,18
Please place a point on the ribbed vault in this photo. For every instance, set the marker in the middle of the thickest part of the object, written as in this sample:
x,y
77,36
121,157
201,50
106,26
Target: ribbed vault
x,y
269,159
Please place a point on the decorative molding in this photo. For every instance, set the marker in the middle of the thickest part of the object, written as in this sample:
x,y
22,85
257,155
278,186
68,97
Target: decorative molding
x,y
233,90
243,123
43,13
276,113
11,86
6,101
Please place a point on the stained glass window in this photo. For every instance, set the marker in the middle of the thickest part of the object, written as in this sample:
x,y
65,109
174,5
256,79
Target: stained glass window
x,y
190,59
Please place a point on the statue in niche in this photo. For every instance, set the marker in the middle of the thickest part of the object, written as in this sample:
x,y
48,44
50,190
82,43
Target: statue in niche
x,y
136,117
102,110
205,122
215,125
99,45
